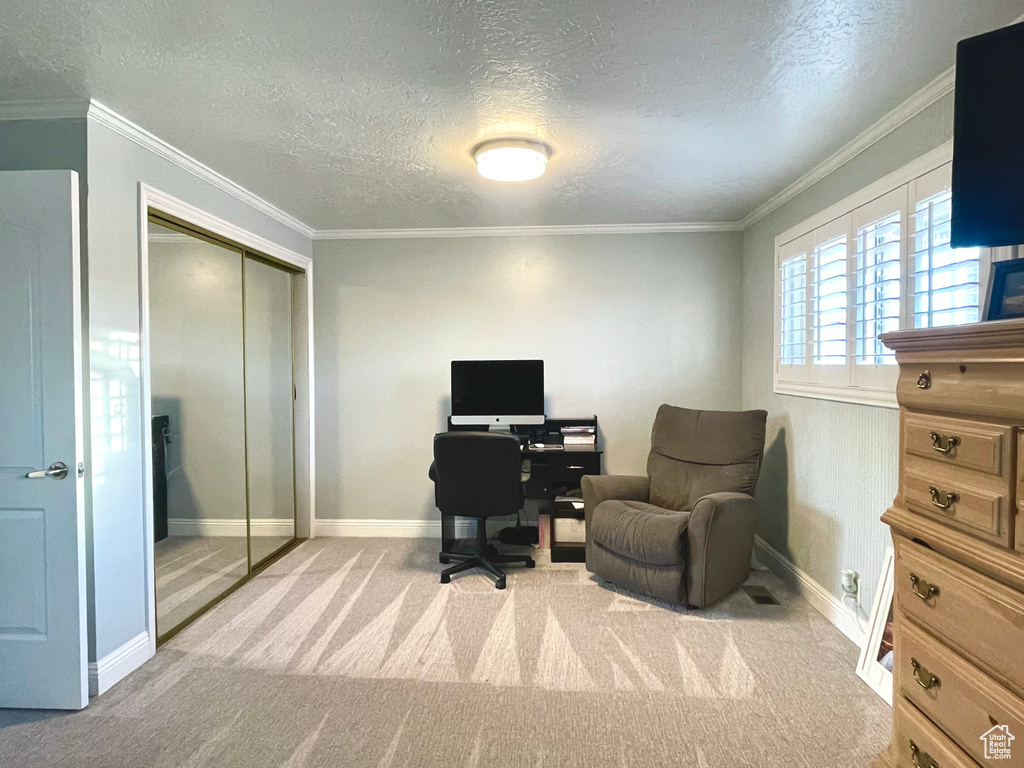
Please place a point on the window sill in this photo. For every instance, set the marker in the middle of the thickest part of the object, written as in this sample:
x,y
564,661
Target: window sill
x,y
879,398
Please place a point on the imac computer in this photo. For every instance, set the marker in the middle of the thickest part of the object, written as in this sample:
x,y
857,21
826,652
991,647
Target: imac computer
x,y
500,393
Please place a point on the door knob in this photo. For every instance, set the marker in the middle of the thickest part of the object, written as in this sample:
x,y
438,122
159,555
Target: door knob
x,y
57,470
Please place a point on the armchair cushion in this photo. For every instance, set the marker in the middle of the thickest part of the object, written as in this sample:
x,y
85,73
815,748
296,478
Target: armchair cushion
x,y
640,531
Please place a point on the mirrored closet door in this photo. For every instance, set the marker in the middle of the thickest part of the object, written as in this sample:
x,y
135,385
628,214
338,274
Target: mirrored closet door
x,y
269,396
222,394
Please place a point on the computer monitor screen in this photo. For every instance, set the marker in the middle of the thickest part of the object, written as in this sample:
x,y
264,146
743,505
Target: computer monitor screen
x,y
499,392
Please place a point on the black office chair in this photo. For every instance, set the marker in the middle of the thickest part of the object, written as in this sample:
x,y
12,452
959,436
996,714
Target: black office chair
x,y
478,474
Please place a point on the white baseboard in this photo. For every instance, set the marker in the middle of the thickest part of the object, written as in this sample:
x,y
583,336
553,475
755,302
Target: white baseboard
x,y
823,601
209,526
119,663
398,529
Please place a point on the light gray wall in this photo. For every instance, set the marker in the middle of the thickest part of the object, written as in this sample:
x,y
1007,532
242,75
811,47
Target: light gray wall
x,y
623,323
197,367
830,468
116,165
43,145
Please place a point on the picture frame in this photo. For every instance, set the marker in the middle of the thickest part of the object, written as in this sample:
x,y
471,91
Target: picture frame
x,y
876,656
1005,298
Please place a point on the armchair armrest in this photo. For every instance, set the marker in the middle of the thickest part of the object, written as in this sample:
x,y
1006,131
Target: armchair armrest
x,y
721,539
598,488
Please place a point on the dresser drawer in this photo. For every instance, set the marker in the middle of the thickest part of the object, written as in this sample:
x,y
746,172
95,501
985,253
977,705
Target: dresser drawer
x,y
919,744
976,615
1019,535
955,695
967,444
972,501
986,389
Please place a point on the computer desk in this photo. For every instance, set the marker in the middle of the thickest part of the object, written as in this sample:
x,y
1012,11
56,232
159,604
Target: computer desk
x,y
554,472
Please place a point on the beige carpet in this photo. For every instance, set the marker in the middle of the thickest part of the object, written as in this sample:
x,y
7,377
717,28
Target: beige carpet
x,y
347,652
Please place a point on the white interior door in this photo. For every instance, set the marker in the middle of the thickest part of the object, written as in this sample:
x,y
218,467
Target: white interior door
x,y
42,514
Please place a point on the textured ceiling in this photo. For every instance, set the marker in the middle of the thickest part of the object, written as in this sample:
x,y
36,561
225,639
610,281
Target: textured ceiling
x,y
362,113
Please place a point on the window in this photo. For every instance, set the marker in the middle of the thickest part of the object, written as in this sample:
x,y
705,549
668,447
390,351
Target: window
x,y
877,262
945,282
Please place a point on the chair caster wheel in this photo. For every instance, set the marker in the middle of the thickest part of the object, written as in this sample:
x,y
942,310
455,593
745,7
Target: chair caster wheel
x,y
500,583
530,564
445,578
443,560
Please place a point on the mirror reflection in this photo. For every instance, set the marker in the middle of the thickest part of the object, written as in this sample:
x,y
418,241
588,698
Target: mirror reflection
x,y
269,397
223,455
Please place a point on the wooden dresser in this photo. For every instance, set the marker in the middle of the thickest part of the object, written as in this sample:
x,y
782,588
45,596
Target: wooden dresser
x,y
959,543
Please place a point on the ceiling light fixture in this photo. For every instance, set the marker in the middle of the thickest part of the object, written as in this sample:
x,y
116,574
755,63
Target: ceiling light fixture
x,y
511,159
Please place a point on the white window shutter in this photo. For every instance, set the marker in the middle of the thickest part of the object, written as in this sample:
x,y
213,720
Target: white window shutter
x,y
944,283
792,301
829,311
877,269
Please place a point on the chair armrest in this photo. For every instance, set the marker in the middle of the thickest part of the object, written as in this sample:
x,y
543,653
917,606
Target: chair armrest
x,y
598,488
721,539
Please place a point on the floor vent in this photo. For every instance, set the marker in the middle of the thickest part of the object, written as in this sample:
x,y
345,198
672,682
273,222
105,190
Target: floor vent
x,y
761,596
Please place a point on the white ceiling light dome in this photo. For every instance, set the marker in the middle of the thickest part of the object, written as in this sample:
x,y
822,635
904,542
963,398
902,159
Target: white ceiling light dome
x,y
511,159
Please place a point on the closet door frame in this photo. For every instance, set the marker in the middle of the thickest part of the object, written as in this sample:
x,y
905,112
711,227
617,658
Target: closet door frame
x,y
155,202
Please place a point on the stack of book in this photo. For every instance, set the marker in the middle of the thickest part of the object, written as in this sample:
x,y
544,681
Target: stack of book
x,y
581,435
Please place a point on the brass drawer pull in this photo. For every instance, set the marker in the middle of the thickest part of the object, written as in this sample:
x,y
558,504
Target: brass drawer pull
x,y
924,381
924,678
943,499
921,759
930,590
944,444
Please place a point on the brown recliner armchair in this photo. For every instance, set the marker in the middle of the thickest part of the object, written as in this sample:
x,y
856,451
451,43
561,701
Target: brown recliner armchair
x,y
684,533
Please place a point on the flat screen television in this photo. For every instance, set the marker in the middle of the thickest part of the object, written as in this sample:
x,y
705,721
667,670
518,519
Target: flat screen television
x,y
498,392
988,140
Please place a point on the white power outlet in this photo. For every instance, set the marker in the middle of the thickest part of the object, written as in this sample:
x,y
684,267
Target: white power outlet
x,y
851,582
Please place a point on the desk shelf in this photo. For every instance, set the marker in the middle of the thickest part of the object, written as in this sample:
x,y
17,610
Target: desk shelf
x,y
564,508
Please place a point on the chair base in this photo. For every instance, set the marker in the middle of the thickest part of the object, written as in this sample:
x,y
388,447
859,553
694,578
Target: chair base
x,y
487,561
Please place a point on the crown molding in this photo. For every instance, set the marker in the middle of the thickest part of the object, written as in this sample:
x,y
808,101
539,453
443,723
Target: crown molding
x,y
64,109
119,124
526,231
916,104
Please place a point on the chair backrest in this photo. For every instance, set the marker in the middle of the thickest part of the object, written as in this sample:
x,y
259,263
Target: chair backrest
x,y
478,473
694,453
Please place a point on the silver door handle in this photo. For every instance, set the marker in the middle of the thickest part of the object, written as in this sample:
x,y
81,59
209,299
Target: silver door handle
x,y
57,470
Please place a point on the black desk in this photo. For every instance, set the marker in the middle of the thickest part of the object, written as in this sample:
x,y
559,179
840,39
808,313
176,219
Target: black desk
x,y
554,472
